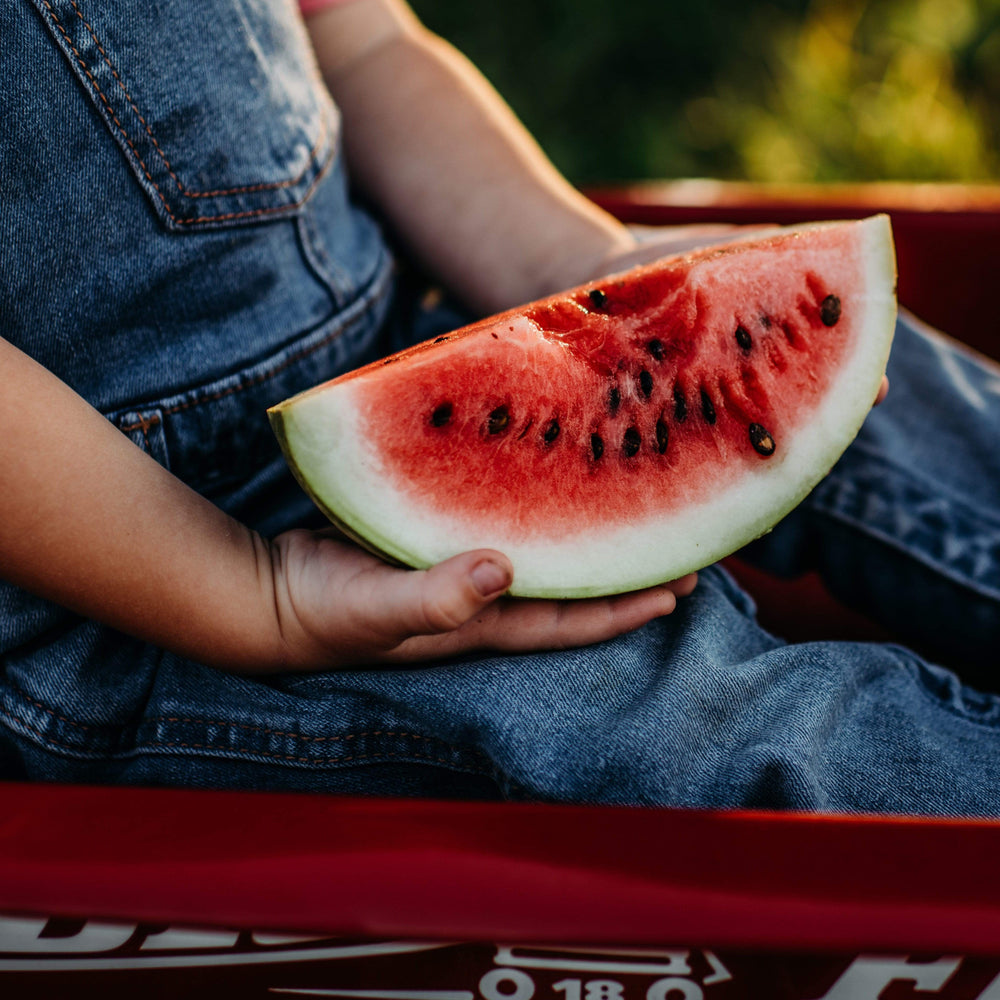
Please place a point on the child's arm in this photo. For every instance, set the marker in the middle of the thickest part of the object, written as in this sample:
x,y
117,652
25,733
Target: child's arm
x,y
455,172
93,523
450,166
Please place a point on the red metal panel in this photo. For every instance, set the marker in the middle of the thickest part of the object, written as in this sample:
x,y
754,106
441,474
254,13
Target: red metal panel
x,y
493,872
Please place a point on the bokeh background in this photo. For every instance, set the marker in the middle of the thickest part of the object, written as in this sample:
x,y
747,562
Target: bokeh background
x,y
784,90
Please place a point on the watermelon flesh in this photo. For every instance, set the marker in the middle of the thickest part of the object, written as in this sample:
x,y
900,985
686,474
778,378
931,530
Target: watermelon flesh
x,y
619,434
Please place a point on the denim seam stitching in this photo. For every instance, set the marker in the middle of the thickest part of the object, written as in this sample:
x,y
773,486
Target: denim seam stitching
x,y
50,741
245,188
51,711
44,737
297,736
263,376
166,205
301,760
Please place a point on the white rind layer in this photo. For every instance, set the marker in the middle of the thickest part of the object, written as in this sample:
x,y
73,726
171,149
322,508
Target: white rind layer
x,y
325,447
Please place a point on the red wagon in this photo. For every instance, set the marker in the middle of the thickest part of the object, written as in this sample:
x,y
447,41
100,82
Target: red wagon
x,y
111,893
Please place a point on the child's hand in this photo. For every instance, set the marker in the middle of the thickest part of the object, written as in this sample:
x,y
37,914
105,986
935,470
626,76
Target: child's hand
x,y
339,606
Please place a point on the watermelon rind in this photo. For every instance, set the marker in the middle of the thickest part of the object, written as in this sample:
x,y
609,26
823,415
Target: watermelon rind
x,y
328,452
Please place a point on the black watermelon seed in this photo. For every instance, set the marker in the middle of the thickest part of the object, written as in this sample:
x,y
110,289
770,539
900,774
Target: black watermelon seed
x,y
598,297
646,383
441,415
662,435
761,440
499,419
440,340
655,348
707,407
743,338
551,432
614,400
680,405
829,310
631,442
765,321
596,445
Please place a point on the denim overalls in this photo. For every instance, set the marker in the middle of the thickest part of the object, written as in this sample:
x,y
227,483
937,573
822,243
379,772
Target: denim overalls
x,y
178,243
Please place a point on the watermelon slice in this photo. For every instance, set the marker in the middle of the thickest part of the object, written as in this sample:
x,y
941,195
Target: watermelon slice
x,y
619,434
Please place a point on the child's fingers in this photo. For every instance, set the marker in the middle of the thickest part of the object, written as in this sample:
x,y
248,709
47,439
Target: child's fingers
x,y
685,585
443,598
515,626
568,624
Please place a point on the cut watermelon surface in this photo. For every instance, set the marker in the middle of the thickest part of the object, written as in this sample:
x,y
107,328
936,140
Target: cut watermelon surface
x,y
619,434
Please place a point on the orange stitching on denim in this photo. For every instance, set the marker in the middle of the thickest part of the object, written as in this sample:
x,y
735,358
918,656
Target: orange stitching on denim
x,y
42,735
145,425
107,104
256,380
244,189
250,213
121,128
232,390
51,711
263,377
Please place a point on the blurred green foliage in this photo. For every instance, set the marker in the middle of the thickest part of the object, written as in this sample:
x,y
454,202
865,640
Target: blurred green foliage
x,y
783,90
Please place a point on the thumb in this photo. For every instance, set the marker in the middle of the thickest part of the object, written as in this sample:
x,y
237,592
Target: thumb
x,y
446,596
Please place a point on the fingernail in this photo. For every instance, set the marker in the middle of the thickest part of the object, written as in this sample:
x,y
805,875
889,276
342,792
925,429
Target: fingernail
x,y
489,578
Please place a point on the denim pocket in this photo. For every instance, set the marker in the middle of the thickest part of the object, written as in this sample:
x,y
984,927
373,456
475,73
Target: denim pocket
x,y
216,104
215,435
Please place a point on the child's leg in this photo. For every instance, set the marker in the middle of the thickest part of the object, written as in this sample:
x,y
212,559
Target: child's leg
x,y
701,708
906,527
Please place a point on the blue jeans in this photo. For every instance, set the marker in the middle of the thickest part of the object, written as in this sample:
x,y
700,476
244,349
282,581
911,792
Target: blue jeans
x,y
183,275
